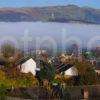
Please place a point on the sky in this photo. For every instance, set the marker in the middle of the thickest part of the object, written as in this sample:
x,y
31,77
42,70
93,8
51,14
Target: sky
x,y
36,3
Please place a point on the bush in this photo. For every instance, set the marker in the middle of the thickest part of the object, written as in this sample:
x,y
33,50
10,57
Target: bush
x,y
3,92
86,72
25,80
89,78
4,80
47,71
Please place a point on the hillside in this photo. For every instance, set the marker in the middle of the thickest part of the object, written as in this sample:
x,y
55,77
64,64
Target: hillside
x,y
70,13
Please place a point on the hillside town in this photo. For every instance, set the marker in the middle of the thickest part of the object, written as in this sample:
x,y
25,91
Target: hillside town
x,y
49,49
27,75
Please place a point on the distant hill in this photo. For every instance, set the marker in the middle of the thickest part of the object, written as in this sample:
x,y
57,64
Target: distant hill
x,y
70,13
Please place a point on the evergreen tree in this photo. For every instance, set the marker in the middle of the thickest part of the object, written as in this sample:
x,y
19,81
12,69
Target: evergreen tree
x,y
47,71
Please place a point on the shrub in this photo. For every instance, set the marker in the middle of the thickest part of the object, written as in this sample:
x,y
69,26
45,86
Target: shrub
x,y
4,80
47,71
25,80
3,92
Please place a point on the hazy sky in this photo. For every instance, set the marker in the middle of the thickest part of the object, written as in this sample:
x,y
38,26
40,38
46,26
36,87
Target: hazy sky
x,y
22,3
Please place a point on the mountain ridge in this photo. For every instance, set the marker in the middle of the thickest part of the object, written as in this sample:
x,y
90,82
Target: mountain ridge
x,y
66,14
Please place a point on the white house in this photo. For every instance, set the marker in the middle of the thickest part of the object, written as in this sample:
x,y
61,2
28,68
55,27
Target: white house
x,y
71,72
28,65
67,70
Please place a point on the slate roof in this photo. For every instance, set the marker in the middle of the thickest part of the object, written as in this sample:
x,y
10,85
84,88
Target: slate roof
x,y
21,61
63,67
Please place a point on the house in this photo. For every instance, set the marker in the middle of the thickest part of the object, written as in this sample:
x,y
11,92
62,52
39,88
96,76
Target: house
x,y
71,71
97,68
65,58
67,70
27,65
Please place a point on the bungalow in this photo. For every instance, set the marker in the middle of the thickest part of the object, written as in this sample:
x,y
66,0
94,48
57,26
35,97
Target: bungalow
x,y
27,65
67,70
